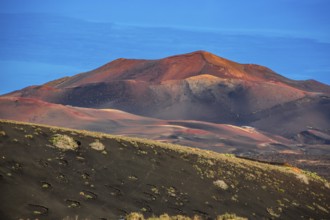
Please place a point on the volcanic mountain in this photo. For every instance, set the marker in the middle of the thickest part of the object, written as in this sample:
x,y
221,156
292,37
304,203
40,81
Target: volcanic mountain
x,y
195,86
196,99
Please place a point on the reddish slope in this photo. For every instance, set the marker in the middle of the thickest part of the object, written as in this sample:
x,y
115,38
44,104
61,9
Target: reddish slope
x,y
172,68
156,71
182,67
192,133
196,86
37,111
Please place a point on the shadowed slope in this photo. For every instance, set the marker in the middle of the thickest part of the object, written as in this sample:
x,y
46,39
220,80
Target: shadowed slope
x,y
291,118
129,175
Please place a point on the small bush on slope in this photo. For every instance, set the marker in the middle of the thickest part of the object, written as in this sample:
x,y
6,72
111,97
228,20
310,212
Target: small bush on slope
x,y
64,142
97,145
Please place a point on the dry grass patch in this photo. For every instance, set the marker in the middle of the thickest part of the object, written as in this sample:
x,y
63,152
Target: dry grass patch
x,y
28,136
139,216
64,142
97,145
221,184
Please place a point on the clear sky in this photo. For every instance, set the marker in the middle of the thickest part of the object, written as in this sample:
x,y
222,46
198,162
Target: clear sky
x,y
41,42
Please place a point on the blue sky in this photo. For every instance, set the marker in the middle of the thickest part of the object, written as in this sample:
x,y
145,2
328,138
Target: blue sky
x,y
43,40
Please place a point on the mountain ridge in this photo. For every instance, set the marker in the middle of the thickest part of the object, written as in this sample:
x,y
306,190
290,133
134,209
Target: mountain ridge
x,y
195,86
202,61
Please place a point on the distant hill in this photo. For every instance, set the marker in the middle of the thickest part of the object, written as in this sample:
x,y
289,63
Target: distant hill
x,y
191,133
196,86
53,173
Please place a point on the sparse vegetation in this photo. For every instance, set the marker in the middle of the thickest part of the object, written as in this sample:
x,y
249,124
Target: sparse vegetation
x,y
37,212
133,178
321,208
148,182
87,195
229,216
273,213
171,191
230,155
303,178
97,145
45,185
28,136
155,190
64,142
139,216
135,216
221,184
315,176
73,204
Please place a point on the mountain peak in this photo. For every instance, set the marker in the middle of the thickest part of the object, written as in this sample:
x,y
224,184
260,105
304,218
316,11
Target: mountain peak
x,y
207,56
178,67
203,53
